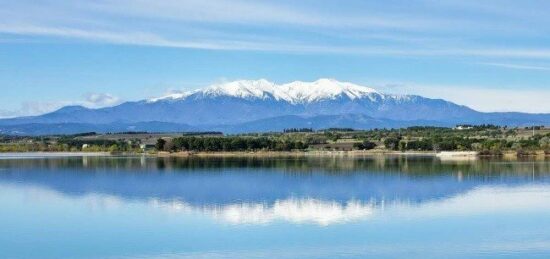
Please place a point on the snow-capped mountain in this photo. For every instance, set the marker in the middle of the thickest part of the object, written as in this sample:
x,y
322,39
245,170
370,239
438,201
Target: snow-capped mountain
x,y
260,105
296,92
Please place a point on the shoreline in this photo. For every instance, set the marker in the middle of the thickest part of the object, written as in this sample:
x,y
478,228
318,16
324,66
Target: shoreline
x,y
292,153
355,153
51,154
456,154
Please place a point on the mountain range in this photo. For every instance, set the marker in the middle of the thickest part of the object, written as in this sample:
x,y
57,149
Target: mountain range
x,y
260,105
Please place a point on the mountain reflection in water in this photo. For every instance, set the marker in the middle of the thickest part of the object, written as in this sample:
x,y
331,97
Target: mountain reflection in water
x,y
319,190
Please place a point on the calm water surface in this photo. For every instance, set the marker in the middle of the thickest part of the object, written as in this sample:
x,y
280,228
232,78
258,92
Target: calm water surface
x,y
313,207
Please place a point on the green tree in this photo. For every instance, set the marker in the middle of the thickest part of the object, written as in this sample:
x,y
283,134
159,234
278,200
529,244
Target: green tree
x,y
392,143
367,145
160,144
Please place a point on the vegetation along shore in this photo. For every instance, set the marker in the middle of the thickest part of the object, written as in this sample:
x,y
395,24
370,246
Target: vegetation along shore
x,y
483,140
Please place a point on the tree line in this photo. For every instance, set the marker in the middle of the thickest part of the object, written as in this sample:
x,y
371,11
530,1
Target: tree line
x,y
296,130
228,144
456,143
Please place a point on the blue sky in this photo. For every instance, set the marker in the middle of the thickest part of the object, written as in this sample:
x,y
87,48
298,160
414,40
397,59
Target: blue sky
x,y
492,55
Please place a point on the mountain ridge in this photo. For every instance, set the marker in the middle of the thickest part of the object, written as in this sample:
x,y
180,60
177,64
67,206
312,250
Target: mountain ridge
x,y
248,103
294,92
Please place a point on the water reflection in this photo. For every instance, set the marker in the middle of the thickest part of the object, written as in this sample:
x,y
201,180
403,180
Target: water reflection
x,y
474,202
291,210
273,207
321,190
417,165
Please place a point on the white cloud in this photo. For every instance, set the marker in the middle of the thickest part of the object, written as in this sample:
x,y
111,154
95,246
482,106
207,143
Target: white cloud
x,y
280,26
90,100
261,13
34,108
7,114
516,66
481,98
116,37
151,39
97,100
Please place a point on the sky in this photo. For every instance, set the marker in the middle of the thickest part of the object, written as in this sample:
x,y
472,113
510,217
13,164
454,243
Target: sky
x,y
492,55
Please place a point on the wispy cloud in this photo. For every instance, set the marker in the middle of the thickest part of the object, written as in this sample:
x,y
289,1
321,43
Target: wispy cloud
x,y
33,108
377,29
516,66
260,13
89,100
131,38
150,39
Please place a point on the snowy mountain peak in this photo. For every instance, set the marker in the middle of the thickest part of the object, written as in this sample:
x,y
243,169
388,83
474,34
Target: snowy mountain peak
x,y
294,92
326,89
242,88
171,96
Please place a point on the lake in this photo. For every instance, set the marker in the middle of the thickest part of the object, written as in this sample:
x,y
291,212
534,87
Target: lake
x,y
279,207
